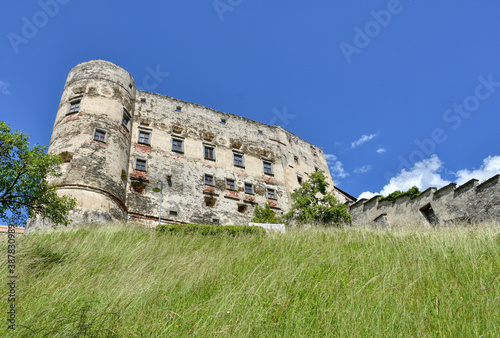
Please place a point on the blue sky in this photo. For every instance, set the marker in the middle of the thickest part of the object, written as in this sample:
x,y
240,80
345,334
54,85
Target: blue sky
x,y
397,93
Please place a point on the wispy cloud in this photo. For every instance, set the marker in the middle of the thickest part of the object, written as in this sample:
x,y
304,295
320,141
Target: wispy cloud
x,y
364,169
336,167
381,151
363,139
4,88
489,168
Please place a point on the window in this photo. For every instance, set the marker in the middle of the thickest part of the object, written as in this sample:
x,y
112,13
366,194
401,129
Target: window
x,y
296,159
315,168
178,108
74,106
177,145
209,152
223,121
143,100
230,184
242,208
259,132
125,119
140,164
100,136
248,188
299,179
173,213
209,180
268,169
238,160
271,194
144,137
215,220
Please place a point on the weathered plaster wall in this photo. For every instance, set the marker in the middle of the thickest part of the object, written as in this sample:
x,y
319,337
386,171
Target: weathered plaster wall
x,y
471,202
185,191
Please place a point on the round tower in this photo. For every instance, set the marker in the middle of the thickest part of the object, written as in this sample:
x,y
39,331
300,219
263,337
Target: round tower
x,y
92,135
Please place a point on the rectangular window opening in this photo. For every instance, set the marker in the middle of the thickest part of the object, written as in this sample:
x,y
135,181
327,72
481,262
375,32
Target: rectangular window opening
x,y
238,160
209,153
173,213
248,188
178,109
143,100
140,164
126,119
268,168
242,208
271,194
177,145
429,214
210,201
144,137
209,180
259,132
230,184
74,106
296,159
223,121
100,136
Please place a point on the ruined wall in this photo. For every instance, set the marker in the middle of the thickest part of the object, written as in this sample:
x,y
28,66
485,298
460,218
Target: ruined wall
x,y
471,202
186,197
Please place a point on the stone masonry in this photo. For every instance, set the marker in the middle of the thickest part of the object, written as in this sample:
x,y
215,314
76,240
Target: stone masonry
x,y
119,143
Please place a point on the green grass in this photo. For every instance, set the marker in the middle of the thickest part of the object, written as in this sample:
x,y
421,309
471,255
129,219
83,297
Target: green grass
x,y
131,282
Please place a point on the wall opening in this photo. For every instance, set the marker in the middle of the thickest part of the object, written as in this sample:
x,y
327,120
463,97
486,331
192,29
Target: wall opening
x,y
429,214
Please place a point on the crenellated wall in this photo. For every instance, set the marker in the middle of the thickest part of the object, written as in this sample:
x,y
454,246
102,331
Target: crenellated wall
x,y
470,202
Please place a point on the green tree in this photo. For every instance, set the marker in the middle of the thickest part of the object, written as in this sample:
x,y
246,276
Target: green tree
x,y
24,191
313,203
265,215
413,192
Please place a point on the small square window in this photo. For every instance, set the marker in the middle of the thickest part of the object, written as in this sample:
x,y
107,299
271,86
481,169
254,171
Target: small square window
x,y
140,164
238,160
209,152
143,100
209,180
215,220
177,145
144,137
259,132
74,106
248,188
173,213
242,208
230,184
100,136
271,194
268,168
223,121
296,159
178,108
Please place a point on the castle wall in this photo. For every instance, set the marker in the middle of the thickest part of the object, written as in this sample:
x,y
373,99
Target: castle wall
x,y
185,193
471,202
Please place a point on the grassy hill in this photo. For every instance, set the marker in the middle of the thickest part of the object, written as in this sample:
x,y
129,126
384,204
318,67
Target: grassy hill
x,y
128,281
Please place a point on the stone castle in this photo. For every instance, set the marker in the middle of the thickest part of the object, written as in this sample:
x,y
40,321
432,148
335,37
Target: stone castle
x,y
118,144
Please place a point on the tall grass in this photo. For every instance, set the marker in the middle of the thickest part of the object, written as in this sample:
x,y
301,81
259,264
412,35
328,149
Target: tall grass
x,y
127,281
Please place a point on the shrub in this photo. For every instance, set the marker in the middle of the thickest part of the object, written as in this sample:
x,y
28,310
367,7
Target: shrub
x,y
210,230
265,215
413,192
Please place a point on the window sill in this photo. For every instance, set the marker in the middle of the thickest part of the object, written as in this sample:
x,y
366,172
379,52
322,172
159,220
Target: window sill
x,y
144,144
178,151
72,113
269,174
239,166
209,159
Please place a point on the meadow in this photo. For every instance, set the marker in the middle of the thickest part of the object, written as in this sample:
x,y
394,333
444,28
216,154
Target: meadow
x,y
127,281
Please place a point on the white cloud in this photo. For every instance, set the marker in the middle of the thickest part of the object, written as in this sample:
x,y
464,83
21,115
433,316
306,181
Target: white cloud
x,y
4,87
423,174
363,139
489,168
381,151
367,195
336,167
363,169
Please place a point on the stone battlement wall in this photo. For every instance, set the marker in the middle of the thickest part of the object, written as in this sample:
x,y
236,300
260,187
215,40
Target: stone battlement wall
x,y
470,202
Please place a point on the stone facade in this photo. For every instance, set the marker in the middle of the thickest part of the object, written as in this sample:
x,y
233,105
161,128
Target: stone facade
x,y
471,202
119,143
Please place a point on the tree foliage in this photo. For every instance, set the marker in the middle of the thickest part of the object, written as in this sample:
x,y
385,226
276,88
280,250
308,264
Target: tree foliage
x,y
313,203
413,192
265,215
24,191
